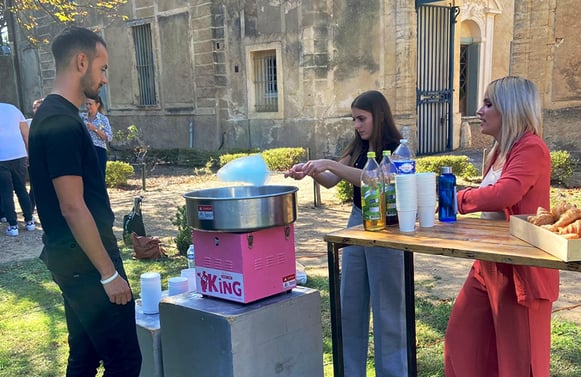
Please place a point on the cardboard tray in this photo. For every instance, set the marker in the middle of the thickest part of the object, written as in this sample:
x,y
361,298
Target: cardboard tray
x,y
552,243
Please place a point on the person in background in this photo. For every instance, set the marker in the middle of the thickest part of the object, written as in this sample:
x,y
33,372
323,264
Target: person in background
x,y
80,249
35,105
99,129
368,274
500,323
13,162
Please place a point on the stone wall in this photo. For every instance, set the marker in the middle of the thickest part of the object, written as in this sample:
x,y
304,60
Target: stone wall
x,y
328,51
547,50
9,93
203,64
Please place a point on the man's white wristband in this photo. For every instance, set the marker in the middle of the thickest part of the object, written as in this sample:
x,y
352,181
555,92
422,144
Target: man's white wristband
x,y
110,279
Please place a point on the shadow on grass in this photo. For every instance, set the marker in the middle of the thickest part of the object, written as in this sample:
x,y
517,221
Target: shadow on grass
x,y
32,324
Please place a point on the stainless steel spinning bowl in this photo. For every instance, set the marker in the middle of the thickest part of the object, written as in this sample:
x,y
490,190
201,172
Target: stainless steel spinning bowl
x,y
241,208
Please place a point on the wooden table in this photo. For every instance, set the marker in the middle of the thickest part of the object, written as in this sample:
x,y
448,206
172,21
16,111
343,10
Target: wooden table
x,y
469,238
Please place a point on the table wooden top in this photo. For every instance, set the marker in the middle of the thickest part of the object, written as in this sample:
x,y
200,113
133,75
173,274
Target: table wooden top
x,y
469,238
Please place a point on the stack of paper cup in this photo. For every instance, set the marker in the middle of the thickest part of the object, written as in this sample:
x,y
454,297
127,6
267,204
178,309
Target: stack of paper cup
x,y
426,191
190,274
406,201
150,292
177,285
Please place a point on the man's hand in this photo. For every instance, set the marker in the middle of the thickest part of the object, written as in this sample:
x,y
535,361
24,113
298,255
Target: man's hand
x,y
118,291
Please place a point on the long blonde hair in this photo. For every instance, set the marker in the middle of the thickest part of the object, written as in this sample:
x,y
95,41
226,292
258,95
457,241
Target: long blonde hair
x,y
518,101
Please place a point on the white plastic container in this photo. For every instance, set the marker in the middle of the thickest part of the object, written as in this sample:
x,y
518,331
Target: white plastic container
x,y
150,292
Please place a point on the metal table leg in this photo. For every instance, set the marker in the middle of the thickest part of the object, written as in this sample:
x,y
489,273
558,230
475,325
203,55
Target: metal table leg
x,y
410,305
335,301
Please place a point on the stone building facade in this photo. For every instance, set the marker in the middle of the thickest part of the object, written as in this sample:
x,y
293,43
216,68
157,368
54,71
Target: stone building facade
x,y
227,74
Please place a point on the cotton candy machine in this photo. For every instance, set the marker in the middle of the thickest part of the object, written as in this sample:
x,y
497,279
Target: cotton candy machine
x,y
244,240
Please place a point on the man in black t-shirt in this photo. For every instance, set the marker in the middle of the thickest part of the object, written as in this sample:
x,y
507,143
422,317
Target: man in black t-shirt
x,y
80,248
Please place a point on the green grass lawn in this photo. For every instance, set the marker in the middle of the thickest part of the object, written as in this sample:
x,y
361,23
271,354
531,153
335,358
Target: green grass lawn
x,y
33,332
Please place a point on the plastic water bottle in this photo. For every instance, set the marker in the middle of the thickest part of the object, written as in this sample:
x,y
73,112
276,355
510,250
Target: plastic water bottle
x,y
372,201
447,202
190,256
404,156
389,171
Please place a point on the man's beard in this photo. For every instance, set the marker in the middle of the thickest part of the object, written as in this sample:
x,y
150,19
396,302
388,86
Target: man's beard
x,y
87,84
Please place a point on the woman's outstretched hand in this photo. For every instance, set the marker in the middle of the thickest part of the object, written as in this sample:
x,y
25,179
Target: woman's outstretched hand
x,y
296,172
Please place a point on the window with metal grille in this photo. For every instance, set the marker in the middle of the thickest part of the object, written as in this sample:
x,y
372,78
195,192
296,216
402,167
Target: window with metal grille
x,y
265,84
144,61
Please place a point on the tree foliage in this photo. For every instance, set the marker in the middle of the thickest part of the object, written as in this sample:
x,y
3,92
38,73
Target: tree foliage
x,y
30,14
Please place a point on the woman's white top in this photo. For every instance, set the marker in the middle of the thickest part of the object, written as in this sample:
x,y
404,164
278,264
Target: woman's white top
x,y
491,177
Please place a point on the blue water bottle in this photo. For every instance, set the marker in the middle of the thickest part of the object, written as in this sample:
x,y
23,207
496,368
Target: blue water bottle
x,y
447,203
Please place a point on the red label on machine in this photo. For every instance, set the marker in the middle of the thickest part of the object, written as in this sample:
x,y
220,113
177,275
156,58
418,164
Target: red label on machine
x,y
206,212
289,281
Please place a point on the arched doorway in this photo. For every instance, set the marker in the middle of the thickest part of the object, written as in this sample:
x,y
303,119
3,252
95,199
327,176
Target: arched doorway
x,y
470,41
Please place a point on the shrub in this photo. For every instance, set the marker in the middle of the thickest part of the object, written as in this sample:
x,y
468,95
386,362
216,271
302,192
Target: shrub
x,y
226,158
117,173
562,163
461,165
280,159
184,236
193,157
344,191
277,159
133,139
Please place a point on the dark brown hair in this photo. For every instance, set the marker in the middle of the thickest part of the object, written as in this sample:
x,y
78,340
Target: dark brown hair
x,y
384,131
71,40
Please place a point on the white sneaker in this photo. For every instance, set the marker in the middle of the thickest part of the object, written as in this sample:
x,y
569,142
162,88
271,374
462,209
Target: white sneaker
x,y
30,226
3,220
12,231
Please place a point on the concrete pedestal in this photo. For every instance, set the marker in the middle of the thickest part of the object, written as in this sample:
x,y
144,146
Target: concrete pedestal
x,y
209,337
149,337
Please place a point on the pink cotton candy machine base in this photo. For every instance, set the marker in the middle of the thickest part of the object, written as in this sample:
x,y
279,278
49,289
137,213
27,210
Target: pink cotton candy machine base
x,y
245,267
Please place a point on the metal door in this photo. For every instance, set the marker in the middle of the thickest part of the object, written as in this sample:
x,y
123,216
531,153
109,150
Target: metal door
x,y
435,84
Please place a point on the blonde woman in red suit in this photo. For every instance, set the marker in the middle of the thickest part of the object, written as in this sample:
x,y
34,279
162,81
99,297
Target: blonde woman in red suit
x,y
501,320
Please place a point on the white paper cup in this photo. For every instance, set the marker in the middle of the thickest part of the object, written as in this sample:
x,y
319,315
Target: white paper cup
x,y
150,292
426,216
426,178
406,205
190,274
405,180
426,200
407,220
177,285
405,200
426,189
406,192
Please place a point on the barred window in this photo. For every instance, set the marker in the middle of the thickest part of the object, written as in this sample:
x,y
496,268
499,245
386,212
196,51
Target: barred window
x,y
265,84
145,67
